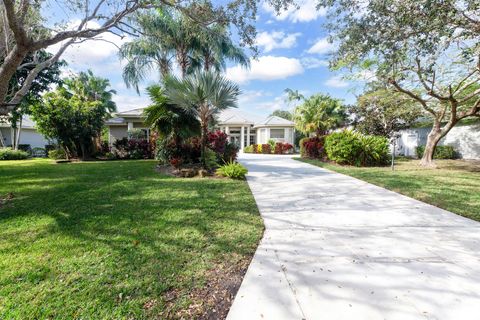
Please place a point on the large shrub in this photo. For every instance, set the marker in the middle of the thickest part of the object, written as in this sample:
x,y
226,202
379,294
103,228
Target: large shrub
x,y
374,150
441,152
312,147
233,170
133,149
348,147
10,154
218,142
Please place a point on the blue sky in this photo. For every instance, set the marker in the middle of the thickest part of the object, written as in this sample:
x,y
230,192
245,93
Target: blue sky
x,y
293,53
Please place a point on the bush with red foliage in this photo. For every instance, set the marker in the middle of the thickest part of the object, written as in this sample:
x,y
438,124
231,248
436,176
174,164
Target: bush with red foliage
x,y
217,141
312,147
282,148
266,148
139,149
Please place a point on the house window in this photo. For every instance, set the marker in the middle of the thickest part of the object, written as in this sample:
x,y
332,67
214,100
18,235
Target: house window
x,y
277,133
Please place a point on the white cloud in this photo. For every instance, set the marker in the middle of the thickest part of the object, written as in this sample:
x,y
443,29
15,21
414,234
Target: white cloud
x,y
127,102
306,11
277,103
322,46
336,82
266,68
276,39
95,53
312,62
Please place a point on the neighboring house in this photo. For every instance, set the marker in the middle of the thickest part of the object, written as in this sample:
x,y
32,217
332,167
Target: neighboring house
x,y
122,122
242,128
465,139
28,135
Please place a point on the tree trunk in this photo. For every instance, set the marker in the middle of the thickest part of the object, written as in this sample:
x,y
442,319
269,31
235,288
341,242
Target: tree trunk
x,y
435,135
19,132
204,143
82,147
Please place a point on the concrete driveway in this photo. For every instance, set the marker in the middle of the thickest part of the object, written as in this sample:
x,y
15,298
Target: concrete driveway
x,y
339,248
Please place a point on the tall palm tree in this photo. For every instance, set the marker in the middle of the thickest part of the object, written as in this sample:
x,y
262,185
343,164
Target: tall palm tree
x,y
318,114
203,94
216,48
88,88
144,55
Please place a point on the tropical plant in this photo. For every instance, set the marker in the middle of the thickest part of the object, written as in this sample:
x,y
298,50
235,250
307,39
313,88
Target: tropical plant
x,y
216,48
169,120
318,114
203,95
233,170
312,147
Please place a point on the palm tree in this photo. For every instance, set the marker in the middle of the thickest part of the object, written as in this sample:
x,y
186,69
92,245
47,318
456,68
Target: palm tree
x,y
170,121
203,94
318,114
164,38
216,48
144,55
293,95
88,88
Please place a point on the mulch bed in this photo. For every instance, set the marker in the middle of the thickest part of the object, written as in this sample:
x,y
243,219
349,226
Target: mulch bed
x,y
213,301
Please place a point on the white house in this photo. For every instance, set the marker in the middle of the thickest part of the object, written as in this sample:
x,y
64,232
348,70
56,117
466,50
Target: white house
x,y
243,128
28,134
465,139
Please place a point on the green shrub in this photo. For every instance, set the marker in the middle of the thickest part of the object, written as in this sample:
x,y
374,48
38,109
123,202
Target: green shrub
x,y
348,147
343,147
56,154
233,170
210,159
441,152
259,148
248,149
375,150
10,154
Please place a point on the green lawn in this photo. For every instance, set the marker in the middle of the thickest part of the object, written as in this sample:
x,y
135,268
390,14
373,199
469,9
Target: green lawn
x,y
115,240
454,185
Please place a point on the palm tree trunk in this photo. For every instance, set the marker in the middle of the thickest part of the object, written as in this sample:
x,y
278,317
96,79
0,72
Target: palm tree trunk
x,y
204,143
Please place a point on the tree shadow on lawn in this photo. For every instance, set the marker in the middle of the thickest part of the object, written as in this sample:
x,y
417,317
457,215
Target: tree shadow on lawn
x,y
112,246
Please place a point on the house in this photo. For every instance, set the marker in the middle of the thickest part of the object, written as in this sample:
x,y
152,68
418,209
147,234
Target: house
x,y
28,134
464,138
242,128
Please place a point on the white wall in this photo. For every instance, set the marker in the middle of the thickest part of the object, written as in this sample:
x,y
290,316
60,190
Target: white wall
x,y
464,139
263,135
28,136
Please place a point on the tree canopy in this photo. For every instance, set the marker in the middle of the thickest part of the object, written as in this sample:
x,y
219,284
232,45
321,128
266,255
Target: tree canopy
x,y
384,112
75,113
318,114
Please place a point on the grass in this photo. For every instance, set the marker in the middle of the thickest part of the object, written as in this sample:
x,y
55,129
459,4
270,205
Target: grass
x,y
454,185
114,240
